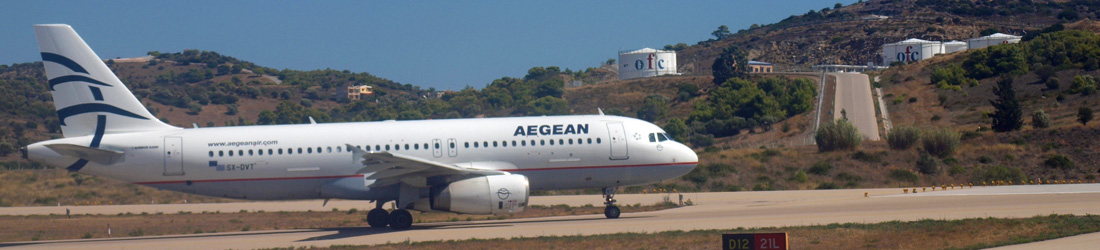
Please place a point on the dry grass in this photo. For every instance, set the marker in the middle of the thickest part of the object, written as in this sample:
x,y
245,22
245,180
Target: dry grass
x,y
52,186
54,227
924,234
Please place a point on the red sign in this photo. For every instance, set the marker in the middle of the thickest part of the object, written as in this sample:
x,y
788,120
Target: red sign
x,y
764,241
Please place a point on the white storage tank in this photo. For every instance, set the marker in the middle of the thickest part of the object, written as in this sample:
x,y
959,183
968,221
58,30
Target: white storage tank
x,y
990,40
646,62
954,46
910,50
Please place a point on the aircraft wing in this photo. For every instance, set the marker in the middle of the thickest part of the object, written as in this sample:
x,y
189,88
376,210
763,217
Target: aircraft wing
x,y
387,168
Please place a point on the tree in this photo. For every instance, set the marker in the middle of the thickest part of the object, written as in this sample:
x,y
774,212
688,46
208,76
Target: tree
x,y
838,135
654,108
1007,115
721,33
1084,115
731,63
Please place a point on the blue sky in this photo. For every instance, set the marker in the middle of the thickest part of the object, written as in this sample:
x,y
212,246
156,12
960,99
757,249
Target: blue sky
x,y
441,44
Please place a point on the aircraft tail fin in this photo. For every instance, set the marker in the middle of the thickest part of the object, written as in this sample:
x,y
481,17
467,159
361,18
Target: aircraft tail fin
x,y
90,99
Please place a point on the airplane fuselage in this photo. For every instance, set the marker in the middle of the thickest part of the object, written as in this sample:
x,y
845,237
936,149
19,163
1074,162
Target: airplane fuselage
x,y
314,161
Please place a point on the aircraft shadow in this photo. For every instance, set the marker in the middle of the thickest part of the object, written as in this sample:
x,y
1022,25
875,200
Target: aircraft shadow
x,y
124,239
350,232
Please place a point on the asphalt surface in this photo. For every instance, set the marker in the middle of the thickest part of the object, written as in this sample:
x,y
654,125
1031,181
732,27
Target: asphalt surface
x,y
853,96
711,211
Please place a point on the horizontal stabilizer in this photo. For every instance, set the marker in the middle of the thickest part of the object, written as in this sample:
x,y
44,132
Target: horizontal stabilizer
x,y
97,155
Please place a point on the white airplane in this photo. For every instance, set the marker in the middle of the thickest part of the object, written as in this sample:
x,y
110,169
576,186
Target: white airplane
x,y
472,166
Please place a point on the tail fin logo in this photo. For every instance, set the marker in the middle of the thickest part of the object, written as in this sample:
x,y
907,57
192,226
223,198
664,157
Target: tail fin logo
x,y
96,93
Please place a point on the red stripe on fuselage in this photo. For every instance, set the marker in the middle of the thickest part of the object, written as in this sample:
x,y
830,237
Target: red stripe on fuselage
x,y
351,176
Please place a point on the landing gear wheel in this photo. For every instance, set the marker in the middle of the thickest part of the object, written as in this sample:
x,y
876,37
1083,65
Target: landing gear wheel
x,y
401,219
378,218
612,212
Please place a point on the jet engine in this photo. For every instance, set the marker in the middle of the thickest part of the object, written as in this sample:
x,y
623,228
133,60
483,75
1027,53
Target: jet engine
x,y
494,194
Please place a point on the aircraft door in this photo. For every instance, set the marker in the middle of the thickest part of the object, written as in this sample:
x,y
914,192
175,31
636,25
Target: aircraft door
x,y
437,148
452,147
173,156
617,134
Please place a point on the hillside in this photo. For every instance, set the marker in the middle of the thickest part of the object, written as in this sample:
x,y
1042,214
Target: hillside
x,y
842,36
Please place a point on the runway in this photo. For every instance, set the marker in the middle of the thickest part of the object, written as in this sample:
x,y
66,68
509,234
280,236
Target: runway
x,y
711,211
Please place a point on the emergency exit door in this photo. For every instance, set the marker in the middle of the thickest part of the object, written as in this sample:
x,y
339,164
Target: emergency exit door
x,y
173,156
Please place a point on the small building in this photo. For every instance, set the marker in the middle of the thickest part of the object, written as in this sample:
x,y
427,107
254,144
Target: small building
x,y
760,67
356,92
990,40
874,17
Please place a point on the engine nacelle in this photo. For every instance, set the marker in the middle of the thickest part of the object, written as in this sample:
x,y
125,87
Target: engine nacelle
x,y
494,194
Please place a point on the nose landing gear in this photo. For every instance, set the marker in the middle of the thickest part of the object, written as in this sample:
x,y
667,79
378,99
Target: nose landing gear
x,y
611,211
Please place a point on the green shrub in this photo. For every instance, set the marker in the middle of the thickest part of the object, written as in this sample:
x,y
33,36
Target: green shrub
x,y
903,175
927,164
956,170
850,180
902,138
820,168
827,185
1039,119
839,135
940,142
800,177
1000,173
1059,161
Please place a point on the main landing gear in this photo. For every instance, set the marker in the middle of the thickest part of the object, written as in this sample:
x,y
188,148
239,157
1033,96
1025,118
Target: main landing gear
x,y
399,219
611,211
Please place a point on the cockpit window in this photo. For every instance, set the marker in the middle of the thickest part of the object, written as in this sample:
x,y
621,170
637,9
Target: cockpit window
x,y
652,137
662,137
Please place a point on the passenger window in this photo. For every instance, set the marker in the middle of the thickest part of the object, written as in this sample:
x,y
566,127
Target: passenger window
x,y
494,144
220,153
475,145
249,152
513,143
652,137
589,140
425,146
598,141
280,151
406,146
467,144
269,151
570,141
318,150
299,150
523,143
230,152
484,144
436,145
453,145
240,152
416,146
376,147
309,150
328,150
542,142
532,143
211,153
551,142
260,152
